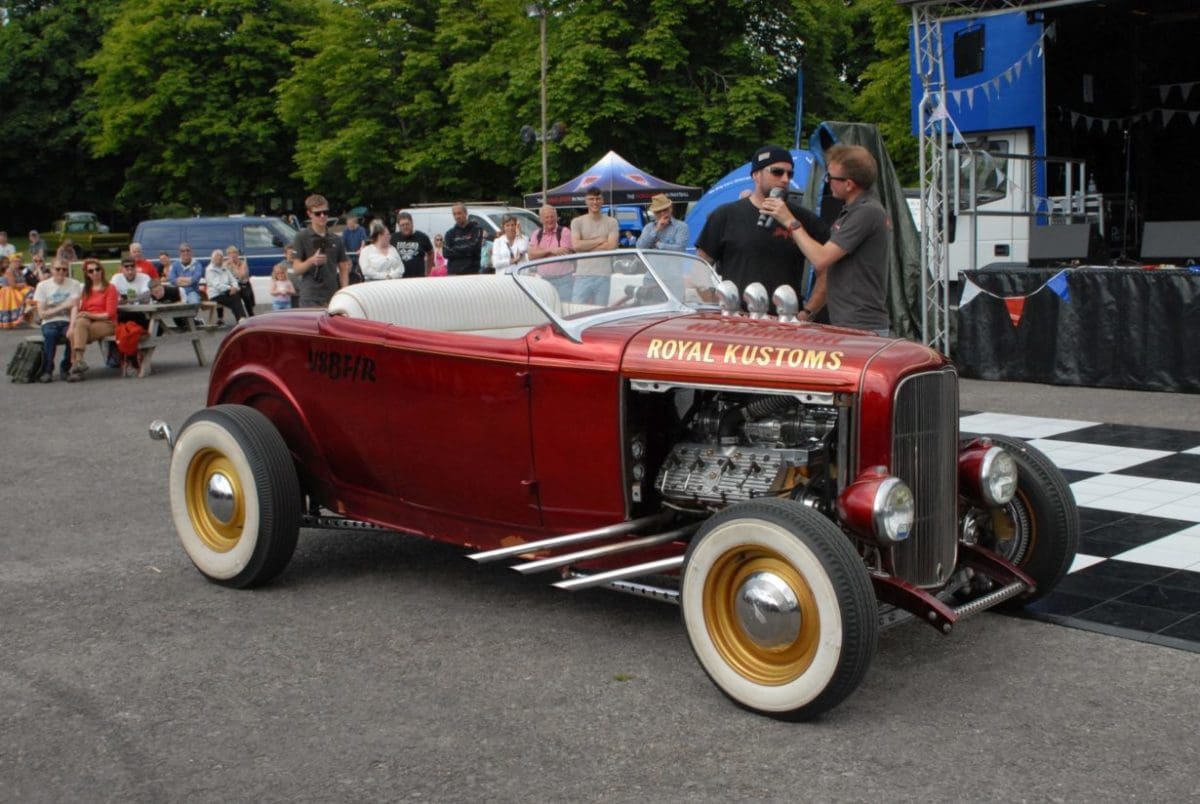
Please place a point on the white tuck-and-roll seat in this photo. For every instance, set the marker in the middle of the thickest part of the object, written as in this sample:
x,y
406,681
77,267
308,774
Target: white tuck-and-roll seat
x,y
483,304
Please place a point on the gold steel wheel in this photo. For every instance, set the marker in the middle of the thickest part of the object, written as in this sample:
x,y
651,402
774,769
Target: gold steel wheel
x,y
778,608
761,615
216,502
235,496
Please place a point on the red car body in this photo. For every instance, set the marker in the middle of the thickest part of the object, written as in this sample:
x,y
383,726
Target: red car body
x,y
786,483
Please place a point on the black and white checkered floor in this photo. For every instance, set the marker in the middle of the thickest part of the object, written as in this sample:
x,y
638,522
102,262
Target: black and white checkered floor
x,y
1137,573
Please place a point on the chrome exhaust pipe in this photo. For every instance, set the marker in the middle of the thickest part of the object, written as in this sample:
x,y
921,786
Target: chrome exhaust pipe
x,y
563,560
619,529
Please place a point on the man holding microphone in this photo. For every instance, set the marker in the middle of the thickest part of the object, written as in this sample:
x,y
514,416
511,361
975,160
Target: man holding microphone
x,y
742,239
320,262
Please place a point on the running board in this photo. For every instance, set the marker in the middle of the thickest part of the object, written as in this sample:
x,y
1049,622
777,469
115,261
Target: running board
x,y
628,546
619,529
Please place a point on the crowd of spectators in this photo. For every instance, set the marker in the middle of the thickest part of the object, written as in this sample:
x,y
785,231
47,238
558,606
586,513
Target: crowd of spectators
x,y
73,313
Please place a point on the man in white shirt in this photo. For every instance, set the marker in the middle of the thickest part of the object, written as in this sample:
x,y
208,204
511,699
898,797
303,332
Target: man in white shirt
x,y
132,285
54,298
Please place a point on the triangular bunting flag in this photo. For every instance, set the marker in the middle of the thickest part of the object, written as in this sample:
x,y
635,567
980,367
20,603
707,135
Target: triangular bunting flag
x,y
1015,305
955,96
969,292
1187,90
1058,283
1163,91
1008,76
1074,119
1167,114
971,99
1194,116
996,83
1017,68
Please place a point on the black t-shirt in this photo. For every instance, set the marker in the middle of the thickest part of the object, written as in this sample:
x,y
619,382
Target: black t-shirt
x,y
746,253
412,249
318,284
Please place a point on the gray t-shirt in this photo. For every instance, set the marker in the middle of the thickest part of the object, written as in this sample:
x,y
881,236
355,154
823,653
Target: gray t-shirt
x,y
856,288
317,285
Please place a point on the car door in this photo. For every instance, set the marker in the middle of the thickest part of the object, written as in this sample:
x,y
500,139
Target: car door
x,y
452,416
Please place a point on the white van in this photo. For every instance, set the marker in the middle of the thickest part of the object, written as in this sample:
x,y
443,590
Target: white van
x,y
434,219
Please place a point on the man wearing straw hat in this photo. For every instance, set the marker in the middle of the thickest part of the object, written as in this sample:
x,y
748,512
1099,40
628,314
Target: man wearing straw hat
x,y
665,232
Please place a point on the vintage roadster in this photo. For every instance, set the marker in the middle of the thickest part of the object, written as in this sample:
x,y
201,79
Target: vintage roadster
x,y
792,487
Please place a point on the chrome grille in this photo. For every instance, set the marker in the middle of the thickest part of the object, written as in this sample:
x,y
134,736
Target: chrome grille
x,y
925,456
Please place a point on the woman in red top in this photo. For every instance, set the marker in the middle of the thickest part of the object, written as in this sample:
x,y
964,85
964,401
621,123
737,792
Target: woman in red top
x,y
95,317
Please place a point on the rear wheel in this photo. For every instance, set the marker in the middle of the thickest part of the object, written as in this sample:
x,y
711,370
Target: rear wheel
x,y
778,608
1038,530
234,495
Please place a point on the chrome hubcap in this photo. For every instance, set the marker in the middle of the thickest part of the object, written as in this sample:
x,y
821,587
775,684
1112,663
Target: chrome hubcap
x,y
219,498
768,610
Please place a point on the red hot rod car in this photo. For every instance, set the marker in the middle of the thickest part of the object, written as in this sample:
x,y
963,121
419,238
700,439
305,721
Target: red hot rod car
x,y
617,420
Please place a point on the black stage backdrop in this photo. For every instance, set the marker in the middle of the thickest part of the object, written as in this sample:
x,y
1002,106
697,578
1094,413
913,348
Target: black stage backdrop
x,y
1103,327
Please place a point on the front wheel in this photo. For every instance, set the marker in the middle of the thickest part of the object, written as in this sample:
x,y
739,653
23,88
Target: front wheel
x,y
778,608
1038,530
234,496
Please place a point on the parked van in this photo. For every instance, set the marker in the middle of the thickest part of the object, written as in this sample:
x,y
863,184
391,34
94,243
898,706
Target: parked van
x,y
259,239
435,219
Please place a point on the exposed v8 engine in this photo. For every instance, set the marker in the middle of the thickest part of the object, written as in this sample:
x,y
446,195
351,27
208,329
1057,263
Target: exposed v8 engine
x,y
739,447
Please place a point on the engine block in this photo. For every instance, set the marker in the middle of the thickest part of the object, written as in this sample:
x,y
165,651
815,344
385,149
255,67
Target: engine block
x,y
722,475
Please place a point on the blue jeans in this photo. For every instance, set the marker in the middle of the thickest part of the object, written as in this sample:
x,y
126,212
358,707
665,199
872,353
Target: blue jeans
x,y
562,284
52,333
590,289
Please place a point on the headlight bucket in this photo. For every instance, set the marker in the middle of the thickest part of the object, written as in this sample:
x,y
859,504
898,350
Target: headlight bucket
x,y
987,473
878,506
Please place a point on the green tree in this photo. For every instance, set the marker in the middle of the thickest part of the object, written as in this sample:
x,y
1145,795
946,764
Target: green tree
x,y
883,97
367,105
183,95
47,169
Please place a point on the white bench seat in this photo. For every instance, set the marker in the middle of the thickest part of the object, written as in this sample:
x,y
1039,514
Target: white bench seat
x,y
491,305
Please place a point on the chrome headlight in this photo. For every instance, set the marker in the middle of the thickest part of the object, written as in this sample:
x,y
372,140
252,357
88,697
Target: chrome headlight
x,y
998,476
878,507
893,511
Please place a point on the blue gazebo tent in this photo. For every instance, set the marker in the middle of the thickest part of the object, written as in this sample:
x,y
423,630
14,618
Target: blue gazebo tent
x,y
621,183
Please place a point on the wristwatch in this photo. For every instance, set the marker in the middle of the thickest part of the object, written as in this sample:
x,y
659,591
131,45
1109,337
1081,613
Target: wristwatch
x,y
794,225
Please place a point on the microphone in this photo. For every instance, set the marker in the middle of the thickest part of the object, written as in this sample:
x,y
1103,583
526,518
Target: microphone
x,y
765,221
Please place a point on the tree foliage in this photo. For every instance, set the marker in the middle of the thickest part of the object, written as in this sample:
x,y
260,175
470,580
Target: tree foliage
x,y
220,104
47,166
184,92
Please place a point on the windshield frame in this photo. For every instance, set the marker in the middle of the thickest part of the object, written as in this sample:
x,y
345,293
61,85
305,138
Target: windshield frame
x,y
574,327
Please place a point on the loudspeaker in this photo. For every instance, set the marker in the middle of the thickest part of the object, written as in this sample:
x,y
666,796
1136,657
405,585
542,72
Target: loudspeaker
x,y
1060,243
1171,241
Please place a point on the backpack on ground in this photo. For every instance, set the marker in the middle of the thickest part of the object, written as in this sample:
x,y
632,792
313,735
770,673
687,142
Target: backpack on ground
x,y
26,362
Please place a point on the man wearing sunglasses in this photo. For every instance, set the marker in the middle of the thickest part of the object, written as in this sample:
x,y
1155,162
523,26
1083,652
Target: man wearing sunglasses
x,y
319,257
55,297
745,250
852,265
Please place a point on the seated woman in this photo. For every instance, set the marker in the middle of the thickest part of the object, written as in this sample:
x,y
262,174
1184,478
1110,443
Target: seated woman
x,y
95,318
223,285
379,259
16,297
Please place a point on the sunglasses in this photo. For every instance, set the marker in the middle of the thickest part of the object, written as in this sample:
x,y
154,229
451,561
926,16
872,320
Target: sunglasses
x,y
830,177
95,270
319,213
59,270
781,172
